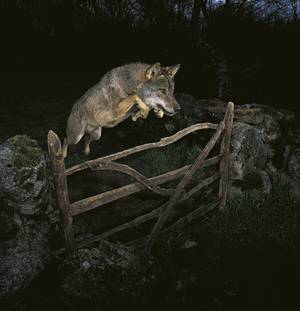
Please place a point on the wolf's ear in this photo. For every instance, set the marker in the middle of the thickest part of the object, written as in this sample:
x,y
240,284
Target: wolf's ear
x,y
172,70
153,71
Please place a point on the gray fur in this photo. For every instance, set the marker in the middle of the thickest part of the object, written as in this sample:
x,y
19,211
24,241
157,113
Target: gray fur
x,y
114,97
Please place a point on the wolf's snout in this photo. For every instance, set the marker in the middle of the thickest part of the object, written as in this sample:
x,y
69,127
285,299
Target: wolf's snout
x,y
174,110
177,108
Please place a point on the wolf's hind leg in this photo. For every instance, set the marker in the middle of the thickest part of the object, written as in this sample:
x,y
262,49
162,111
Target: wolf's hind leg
x,y
94,135
73,137
65,148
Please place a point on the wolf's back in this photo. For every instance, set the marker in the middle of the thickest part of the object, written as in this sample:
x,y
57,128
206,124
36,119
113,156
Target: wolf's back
x,y
114,86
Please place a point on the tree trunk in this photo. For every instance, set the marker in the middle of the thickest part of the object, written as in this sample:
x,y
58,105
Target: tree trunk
x,y
294,4
228,7
196,15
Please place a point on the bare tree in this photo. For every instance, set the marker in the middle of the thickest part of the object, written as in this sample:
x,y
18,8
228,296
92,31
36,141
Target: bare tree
x,y
294,5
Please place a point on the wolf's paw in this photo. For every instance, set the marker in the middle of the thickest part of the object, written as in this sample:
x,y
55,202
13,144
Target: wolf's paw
x,y
87,150
159,113
135,116
144,113
64,153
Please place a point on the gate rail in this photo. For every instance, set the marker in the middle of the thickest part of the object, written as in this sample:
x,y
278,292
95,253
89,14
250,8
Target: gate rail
x,y
69,210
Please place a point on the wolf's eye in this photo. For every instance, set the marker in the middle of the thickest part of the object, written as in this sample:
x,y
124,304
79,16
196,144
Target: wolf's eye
x,y
163,91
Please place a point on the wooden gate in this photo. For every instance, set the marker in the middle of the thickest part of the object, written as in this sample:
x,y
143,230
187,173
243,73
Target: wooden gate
x,y
69,210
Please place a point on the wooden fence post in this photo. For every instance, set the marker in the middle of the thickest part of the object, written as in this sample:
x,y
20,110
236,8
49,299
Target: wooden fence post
x,y
225,152
180,187
60,182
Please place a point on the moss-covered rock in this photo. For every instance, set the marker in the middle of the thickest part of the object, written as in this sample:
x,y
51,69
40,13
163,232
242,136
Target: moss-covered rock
x,y
23,172
23,257
24,202
28,152
111,276
248,159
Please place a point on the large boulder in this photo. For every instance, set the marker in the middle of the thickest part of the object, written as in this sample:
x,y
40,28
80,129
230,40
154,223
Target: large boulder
x,y
22,258
273,122
23,182
110,275
265,141
293,133
248,159
24,200
249,152
293,165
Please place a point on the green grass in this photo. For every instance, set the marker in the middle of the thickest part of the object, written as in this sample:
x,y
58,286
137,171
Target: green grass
x,y
171,157
258,216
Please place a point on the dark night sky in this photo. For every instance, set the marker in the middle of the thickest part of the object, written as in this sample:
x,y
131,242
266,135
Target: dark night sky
x,y
62,38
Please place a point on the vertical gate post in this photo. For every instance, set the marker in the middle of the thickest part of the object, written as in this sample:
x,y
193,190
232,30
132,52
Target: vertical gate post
x,y
225,152
181,185
60,182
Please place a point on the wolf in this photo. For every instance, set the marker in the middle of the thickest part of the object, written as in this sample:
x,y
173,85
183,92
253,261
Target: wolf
x,y
131,90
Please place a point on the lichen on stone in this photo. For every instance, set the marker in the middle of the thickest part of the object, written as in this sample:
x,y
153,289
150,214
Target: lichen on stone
x,y
24,204
28,151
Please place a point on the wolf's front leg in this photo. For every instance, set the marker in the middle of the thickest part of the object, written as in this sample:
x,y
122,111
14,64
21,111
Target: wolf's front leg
x,y
144,109
128,103
140,114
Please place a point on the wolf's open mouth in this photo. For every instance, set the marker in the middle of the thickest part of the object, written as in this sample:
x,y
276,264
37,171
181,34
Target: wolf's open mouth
x,y
168,113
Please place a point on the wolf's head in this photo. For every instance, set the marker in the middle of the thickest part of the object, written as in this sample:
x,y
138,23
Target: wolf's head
x,y
158,89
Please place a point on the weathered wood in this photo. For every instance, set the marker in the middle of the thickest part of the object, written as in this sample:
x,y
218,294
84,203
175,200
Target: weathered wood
x,y
225,152
250,115
60,182
200,211
161,143
164,211
145,217
182,184
123,168
177,225
93,202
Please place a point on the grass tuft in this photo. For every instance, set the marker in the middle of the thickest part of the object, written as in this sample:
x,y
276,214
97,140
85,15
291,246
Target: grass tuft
x,y
171,157
258,216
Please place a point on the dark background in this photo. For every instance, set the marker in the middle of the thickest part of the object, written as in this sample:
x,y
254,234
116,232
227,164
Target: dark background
x,y
52,51
65,46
